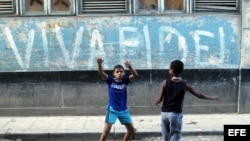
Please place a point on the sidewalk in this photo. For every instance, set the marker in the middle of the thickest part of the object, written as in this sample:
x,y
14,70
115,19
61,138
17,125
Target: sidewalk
x,y
91,126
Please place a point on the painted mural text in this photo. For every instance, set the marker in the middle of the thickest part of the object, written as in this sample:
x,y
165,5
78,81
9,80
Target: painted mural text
x,y
142,43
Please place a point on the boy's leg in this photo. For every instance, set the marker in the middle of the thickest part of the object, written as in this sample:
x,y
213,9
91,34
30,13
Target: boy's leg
x,y
130,131
176,126
109,121
165,126
125,119
105,132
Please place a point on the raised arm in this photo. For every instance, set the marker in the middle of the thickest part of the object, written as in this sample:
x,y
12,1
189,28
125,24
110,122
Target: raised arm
x,y
134,73
200,95
103,75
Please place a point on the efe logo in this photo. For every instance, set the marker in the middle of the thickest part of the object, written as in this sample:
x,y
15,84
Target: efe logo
x,y
241,132
236,132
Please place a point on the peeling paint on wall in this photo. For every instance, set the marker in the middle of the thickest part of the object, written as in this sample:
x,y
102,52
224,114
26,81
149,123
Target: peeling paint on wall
x,y
40,44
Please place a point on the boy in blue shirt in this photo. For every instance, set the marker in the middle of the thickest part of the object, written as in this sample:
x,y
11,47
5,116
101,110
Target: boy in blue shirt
x,y
117,103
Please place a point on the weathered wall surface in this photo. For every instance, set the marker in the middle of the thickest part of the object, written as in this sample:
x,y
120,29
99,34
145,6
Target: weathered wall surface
x,y
48,64
245,63
84,93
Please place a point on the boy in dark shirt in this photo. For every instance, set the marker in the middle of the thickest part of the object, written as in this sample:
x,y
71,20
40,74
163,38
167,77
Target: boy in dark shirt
x,y
171,98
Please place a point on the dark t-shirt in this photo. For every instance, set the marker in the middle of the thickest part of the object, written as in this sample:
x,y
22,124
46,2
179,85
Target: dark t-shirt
x,y
174,96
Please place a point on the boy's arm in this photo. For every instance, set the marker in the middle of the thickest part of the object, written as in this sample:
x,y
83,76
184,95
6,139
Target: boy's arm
x,y
103,75
133,72
162,91
200,95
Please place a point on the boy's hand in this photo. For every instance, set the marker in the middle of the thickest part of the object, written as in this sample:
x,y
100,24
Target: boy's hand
x,y
215,97
158,103
127,64
99,60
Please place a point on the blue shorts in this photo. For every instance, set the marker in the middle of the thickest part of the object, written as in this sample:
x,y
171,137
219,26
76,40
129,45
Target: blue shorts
x,y
123,116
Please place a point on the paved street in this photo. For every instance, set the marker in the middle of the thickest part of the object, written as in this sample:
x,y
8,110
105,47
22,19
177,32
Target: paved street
x,y
191,138
196,127
184,138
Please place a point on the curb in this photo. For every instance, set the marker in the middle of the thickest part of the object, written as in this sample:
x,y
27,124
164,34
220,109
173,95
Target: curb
x,y
93,136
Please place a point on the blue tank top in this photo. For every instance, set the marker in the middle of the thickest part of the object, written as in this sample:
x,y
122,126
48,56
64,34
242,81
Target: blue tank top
x,y
117,92
174,96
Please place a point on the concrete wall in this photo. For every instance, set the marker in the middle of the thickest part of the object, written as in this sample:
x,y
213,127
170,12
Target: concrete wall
x,y
84,93
245,63
48,63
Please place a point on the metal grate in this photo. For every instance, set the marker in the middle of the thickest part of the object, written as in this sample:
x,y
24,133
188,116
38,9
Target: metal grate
x,y
103,6
216,5
6,7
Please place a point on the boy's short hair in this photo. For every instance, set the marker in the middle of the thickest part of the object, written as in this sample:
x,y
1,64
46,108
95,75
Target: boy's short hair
x,y
177,66
118,66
